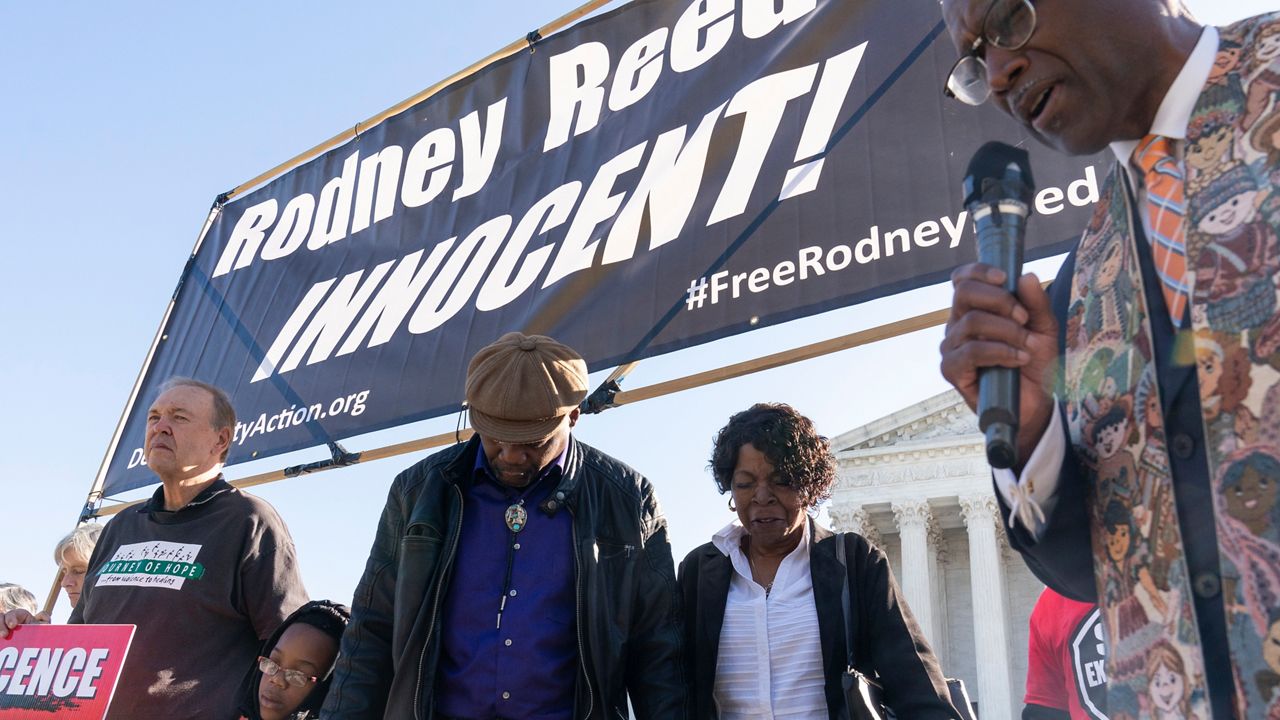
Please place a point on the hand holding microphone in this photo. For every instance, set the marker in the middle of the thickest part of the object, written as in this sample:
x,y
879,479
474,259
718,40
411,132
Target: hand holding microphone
x,y
1001,336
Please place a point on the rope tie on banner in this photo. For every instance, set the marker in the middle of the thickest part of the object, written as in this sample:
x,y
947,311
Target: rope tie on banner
x,y
602,398
339,457
533,38
91,507
606,395
182,279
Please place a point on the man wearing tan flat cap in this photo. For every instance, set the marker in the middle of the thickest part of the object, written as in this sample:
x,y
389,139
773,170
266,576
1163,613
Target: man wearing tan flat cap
x,y
522,574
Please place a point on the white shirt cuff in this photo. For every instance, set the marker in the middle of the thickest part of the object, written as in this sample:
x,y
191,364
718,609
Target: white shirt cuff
x,y
1031,496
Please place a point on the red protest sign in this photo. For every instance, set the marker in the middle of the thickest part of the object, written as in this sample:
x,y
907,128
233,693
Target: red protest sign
x,y
62,671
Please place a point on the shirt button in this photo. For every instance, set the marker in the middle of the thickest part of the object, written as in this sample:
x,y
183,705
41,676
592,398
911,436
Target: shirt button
x,y
513,593
516,546
506,696
1183,446
507,643
1207,585
551,504
560,496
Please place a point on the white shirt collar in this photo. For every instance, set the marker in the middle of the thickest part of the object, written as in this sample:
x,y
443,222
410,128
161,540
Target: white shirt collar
x,y
729,539
1174,113
792,577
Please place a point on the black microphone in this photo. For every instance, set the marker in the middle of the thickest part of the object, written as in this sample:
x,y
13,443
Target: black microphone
x,y
998,189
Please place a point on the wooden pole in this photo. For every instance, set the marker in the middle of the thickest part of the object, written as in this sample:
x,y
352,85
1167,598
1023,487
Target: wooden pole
x,y
95,490
768,362
376,454
554,26
621,372
52,598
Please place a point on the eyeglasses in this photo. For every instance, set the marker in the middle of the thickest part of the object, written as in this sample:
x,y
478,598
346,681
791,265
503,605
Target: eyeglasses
x,y
1008,25
296,678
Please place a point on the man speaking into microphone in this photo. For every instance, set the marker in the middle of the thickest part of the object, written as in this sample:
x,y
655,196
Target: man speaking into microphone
x,y
1148,440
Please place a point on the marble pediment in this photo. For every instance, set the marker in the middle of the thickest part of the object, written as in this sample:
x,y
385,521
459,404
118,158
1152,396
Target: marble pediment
x,y
937,419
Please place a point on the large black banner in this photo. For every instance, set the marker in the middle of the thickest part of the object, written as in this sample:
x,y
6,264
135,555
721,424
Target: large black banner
x,y
663,175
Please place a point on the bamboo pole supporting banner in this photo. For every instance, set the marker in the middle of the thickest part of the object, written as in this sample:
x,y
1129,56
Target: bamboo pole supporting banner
x,y
621,372
95,490
52,598
768,362
427,443
806,352
554,26
94,497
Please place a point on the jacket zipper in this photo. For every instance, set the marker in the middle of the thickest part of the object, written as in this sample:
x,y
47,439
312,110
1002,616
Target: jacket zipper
x,y
435,611
577,576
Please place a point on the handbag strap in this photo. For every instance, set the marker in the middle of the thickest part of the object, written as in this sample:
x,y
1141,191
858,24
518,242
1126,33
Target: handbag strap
x,y
849,633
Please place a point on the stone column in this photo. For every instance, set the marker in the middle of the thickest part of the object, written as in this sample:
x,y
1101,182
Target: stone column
x,y
938,586
990,631
842,517
854,519
913,518
860,522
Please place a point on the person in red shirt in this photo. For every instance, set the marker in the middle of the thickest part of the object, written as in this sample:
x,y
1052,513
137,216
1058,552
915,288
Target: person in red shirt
x,y
1066,658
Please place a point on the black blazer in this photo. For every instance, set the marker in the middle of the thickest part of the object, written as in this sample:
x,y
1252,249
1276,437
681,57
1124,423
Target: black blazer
x,y
1063,558
888,640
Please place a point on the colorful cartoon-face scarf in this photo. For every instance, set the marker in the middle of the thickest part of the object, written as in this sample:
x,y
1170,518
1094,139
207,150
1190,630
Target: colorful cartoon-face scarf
x,y
1113,403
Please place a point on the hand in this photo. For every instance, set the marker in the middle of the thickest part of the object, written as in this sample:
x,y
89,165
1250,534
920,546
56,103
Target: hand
x,y
14,618
989,327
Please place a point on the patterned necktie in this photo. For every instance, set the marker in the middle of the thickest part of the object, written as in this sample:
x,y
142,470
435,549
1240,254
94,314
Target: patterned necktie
x,y
1166,216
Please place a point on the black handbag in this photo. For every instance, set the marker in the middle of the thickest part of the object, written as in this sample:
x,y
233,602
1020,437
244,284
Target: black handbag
x,y
864,696
960,698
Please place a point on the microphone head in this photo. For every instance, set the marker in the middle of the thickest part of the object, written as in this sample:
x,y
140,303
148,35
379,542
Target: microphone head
x,y
998,172
1002,445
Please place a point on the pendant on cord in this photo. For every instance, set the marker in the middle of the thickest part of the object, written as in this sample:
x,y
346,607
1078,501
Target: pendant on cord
x,y
517,516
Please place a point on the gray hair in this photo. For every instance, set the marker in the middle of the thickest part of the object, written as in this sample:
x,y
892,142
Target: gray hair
x,y
81,541
16,597
224,414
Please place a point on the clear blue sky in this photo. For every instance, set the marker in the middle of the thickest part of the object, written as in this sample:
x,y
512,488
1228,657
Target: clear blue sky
x,y
125,120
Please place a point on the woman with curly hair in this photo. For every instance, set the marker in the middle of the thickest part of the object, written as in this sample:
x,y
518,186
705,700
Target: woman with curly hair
x,y
764,620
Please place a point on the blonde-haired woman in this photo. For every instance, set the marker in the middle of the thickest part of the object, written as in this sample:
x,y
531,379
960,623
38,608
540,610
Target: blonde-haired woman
x,y
72,555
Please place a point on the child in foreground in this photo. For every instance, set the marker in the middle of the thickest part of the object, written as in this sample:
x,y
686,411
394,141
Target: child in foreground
x,y
290,679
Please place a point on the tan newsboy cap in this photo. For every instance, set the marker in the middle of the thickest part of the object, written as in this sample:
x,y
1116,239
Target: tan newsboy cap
x,y
520,387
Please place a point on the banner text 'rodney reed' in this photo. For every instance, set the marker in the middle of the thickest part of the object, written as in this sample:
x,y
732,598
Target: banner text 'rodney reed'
x,y
577,90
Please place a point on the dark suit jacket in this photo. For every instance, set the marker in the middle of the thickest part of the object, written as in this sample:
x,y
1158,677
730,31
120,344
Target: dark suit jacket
x,y
1062,558
888,639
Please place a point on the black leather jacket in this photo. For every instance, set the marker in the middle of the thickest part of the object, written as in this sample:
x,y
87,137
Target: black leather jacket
x,y
629,631
888,641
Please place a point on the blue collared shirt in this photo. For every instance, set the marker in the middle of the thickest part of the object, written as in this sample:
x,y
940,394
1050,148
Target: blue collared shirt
x,y
526,667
